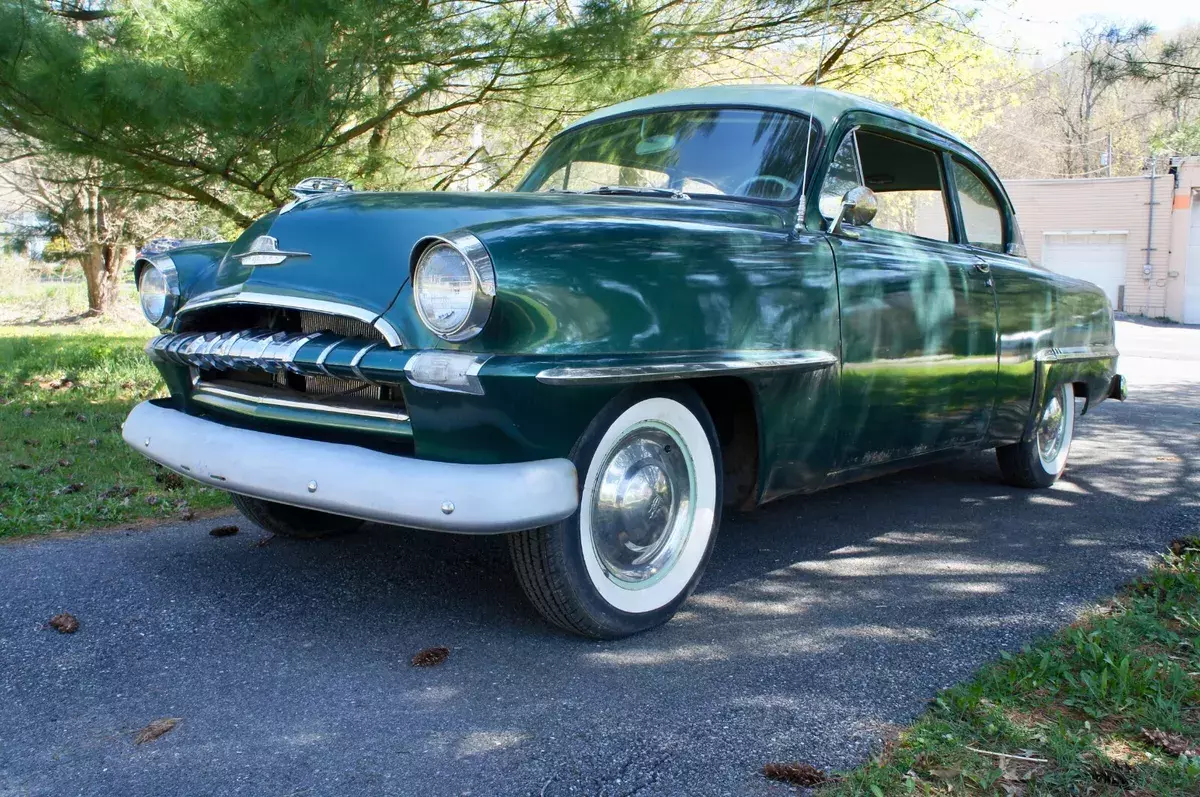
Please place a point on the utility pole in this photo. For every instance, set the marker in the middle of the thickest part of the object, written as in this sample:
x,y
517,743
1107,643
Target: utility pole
x,y
1108,154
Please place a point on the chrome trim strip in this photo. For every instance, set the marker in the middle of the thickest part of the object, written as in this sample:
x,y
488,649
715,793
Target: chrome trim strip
x,y
354,481
1094,351
202,388
225,296
610,374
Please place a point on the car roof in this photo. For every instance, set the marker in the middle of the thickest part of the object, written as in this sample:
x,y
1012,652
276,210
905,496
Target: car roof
x,y
825,104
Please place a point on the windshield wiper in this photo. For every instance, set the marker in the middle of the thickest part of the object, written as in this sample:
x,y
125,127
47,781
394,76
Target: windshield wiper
x,y
638,190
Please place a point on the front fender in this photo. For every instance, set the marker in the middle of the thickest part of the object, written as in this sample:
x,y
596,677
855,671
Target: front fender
x,y
195,266
600,286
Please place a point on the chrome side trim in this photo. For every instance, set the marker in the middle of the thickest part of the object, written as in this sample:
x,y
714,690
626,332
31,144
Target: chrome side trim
x,y
264,397
353,481
611,374
389,332
1093,351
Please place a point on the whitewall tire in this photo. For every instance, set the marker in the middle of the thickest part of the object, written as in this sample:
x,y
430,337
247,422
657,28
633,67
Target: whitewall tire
x,y
650,499
1040,460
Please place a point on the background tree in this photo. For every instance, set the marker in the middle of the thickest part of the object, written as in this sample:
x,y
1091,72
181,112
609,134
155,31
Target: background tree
x,y
99,221
229,102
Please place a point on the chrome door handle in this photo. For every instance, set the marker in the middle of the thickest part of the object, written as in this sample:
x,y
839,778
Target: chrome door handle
x,y
983,268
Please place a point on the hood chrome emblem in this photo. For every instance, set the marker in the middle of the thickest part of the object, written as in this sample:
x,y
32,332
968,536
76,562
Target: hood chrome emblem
x,y
265,251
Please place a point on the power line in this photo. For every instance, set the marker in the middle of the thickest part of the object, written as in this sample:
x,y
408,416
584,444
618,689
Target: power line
x,y
1047,142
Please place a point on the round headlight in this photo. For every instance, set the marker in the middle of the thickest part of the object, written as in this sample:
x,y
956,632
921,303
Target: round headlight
x,y
158,293
453,287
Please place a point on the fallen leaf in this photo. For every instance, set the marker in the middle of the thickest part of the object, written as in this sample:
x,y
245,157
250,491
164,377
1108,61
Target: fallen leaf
x,y
1171,743
431,657
64,463
64,623
67,489
32,443
93,443
223,531
1118,773
186,513
5,401
265,541
27,412
795,772
81,418
156,729
169,479
127,385
1182,544
151,500
22,466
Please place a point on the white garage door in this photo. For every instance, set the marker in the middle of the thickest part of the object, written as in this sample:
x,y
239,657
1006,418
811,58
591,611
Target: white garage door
x,y
1098,258
1191,282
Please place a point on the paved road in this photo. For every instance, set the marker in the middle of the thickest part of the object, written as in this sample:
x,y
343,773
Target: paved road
x,y
821,622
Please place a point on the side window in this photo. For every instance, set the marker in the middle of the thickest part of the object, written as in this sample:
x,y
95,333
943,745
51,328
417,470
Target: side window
x,y
845,173
907,181
982,218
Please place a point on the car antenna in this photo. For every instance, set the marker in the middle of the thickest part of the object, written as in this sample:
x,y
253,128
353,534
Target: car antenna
x,y
812,108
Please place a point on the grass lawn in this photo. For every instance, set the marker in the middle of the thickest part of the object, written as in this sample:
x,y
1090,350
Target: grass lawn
x,y
65,388
1108,706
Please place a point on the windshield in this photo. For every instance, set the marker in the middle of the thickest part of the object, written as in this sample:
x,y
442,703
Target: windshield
x,y
704,152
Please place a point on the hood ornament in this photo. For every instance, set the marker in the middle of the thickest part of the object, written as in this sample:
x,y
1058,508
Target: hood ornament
x,y
265,251
311,186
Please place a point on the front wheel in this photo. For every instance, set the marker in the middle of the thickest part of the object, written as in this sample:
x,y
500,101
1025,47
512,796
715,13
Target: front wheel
x,y
293,521
649,511
1039,461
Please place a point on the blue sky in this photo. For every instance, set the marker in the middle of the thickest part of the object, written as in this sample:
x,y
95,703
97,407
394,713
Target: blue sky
x,y
1044,24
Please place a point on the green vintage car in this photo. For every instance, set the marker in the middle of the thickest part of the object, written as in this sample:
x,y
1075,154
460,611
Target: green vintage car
x,y
700,300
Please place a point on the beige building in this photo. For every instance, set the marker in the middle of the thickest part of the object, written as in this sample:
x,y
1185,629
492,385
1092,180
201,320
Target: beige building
x,y
1137,238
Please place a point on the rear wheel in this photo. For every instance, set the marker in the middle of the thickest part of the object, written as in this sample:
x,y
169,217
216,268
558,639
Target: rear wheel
x,y
1039,461
293,521
649,510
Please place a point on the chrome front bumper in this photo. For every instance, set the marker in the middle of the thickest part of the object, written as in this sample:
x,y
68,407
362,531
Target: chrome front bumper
x,y
353,481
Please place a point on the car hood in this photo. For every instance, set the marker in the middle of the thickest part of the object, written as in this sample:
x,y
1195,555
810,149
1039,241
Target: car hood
x,y
358,244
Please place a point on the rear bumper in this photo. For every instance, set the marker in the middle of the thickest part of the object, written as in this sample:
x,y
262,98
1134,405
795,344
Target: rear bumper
x,y
353,481
1117,388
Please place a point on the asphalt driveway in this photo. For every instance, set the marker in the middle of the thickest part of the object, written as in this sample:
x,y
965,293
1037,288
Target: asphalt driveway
x,y
821,622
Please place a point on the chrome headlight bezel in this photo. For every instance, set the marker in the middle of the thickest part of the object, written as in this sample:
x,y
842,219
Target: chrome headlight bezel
x,y
479,267
165,266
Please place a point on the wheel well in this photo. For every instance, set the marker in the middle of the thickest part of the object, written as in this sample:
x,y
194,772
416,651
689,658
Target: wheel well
x,y
731,404
1082,392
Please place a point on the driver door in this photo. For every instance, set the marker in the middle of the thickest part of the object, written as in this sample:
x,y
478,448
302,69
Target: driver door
x,y
918,321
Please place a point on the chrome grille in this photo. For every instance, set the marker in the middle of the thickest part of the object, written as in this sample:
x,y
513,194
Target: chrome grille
x,y
337,324
328,386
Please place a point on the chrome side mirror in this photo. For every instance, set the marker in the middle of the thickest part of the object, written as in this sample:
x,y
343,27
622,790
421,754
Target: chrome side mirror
x,y
859,207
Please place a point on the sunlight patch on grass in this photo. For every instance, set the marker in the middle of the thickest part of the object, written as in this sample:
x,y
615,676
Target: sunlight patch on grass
x,y
1108,706
64,392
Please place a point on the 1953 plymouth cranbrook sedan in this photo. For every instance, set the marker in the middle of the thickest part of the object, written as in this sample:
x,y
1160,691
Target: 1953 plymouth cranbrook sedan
x,y
703,299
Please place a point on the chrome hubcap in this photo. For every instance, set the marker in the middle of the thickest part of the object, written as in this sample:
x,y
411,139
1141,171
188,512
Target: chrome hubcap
x,y
642,505
1052,429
